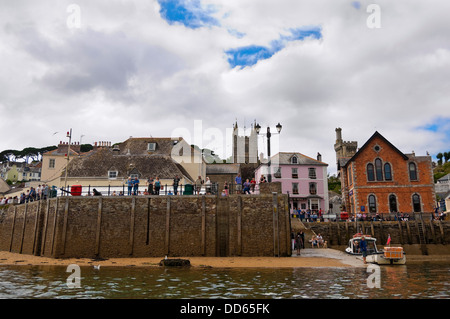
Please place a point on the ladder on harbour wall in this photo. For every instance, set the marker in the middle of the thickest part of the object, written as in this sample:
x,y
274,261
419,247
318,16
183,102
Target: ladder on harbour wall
x,y
422,235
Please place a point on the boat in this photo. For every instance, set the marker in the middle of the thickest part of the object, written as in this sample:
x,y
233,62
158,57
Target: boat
x,y
387,256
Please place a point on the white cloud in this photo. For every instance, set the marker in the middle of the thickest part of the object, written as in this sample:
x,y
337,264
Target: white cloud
x,y
127,72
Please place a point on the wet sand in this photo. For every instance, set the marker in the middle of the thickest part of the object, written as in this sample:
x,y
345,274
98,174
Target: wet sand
x,y
315,258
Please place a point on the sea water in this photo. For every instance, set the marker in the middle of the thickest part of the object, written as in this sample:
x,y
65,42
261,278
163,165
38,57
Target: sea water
x,y
416,280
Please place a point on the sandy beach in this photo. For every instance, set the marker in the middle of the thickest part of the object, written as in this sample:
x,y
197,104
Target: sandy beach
x,y
308,258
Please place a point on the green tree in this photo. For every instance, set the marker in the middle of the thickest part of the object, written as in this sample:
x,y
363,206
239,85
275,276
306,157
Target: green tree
x,y
446,156
439,156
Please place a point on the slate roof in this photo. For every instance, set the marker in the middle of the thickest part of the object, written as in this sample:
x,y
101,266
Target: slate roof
x,y
4,187
216,169
285,158
98,162
444,179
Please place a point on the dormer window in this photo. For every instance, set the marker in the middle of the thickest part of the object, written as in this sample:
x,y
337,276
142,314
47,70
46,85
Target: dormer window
x,y
112,174
294,160
151,147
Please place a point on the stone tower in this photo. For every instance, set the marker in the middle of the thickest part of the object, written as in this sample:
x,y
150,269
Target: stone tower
x,y
245,148
344,149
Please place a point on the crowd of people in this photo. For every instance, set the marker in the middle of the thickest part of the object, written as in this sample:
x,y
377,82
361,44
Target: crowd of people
x,y
31,195
298,241
309,215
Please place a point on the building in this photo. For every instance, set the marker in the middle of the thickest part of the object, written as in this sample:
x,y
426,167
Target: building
x,y
109,166
302,177
221,173
55,161
442,184
379,178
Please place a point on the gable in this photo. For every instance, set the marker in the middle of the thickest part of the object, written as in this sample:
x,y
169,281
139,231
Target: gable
x,y
375,146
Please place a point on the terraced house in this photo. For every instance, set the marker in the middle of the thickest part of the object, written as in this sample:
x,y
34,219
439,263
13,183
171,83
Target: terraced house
x,y
379,178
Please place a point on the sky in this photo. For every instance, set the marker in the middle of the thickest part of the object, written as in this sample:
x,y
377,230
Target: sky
x,y
111,69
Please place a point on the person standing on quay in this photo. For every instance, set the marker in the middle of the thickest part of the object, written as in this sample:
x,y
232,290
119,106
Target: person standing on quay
x,y
135,186
129,183
157,186
176,181
299,243
363,246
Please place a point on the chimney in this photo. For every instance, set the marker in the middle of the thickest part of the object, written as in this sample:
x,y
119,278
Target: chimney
x,y
319,157
338,134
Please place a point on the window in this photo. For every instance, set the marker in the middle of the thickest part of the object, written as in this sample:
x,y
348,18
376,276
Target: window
x,y
133,176
412,171
387,172
294,160
314,204
312,173
372,204
379,169
416,203
392,203
370,173
51,163
112,174
277,173
295,173
350,179
313,188
151,147
294,188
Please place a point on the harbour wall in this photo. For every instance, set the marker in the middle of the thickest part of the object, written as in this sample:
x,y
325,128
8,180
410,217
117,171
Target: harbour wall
x,y
417,237
148,226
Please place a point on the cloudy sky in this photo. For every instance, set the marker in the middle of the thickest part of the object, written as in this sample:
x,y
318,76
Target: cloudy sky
x,y
112,69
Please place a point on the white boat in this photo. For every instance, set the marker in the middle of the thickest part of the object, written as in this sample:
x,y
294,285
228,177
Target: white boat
x,y
388,256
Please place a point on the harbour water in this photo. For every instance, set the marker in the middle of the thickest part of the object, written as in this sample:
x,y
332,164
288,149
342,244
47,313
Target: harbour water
x,y
422,280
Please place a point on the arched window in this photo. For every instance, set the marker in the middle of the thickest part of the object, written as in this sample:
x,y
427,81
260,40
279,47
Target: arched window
x,y
372,204
370,173
412,171
294,160
416,203
387,172
392,203
379,169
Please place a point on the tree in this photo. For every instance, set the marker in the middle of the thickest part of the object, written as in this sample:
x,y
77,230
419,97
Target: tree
x,y
446,156
439,157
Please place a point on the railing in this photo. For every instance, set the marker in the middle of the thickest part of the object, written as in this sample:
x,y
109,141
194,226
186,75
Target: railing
x,y
324,216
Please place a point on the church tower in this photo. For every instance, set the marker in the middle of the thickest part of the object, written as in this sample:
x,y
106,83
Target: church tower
x,y
245,147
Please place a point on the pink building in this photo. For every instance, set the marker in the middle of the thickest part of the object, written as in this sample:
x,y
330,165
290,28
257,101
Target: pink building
x,y
302,177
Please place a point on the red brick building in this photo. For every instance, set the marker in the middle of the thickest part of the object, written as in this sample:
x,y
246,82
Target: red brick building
x,y
379,178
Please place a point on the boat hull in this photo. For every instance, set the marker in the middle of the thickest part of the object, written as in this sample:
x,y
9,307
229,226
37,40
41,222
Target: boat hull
x,y
379,259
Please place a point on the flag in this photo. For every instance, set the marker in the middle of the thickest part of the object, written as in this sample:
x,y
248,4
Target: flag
x,y
389,240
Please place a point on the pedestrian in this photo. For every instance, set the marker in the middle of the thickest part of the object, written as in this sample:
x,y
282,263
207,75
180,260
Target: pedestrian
x,y
247,186
150,182
208,185
225,188
238,182
299,243
130,186
198,185
363,246
252,185
135,185
176,181
157,186
302,235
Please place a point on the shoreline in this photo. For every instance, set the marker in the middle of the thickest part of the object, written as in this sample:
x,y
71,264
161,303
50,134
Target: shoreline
x,y
305,260
310,258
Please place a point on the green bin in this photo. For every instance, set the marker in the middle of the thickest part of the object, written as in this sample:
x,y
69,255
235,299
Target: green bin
x,y
188,189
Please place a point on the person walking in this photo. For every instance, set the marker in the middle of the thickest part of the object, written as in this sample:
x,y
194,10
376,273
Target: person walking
x,y
299,243
363,247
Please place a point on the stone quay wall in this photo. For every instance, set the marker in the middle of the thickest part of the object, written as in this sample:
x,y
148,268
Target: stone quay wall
x,y
148,226
418,237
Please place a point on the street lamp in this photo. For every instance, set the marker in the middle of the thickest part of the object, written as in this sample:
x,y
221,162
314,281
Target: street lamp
x,y
269,134
69,135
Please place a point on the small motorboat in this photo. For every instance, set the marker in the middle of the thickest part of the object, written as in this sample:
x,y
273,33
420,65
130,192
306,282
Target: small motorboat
x,y
388,256
353,245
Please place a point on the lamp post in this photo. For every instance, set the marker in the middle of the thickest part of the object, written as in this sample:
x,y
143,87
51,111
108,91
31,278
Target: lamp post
x,y
69,135
268,134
